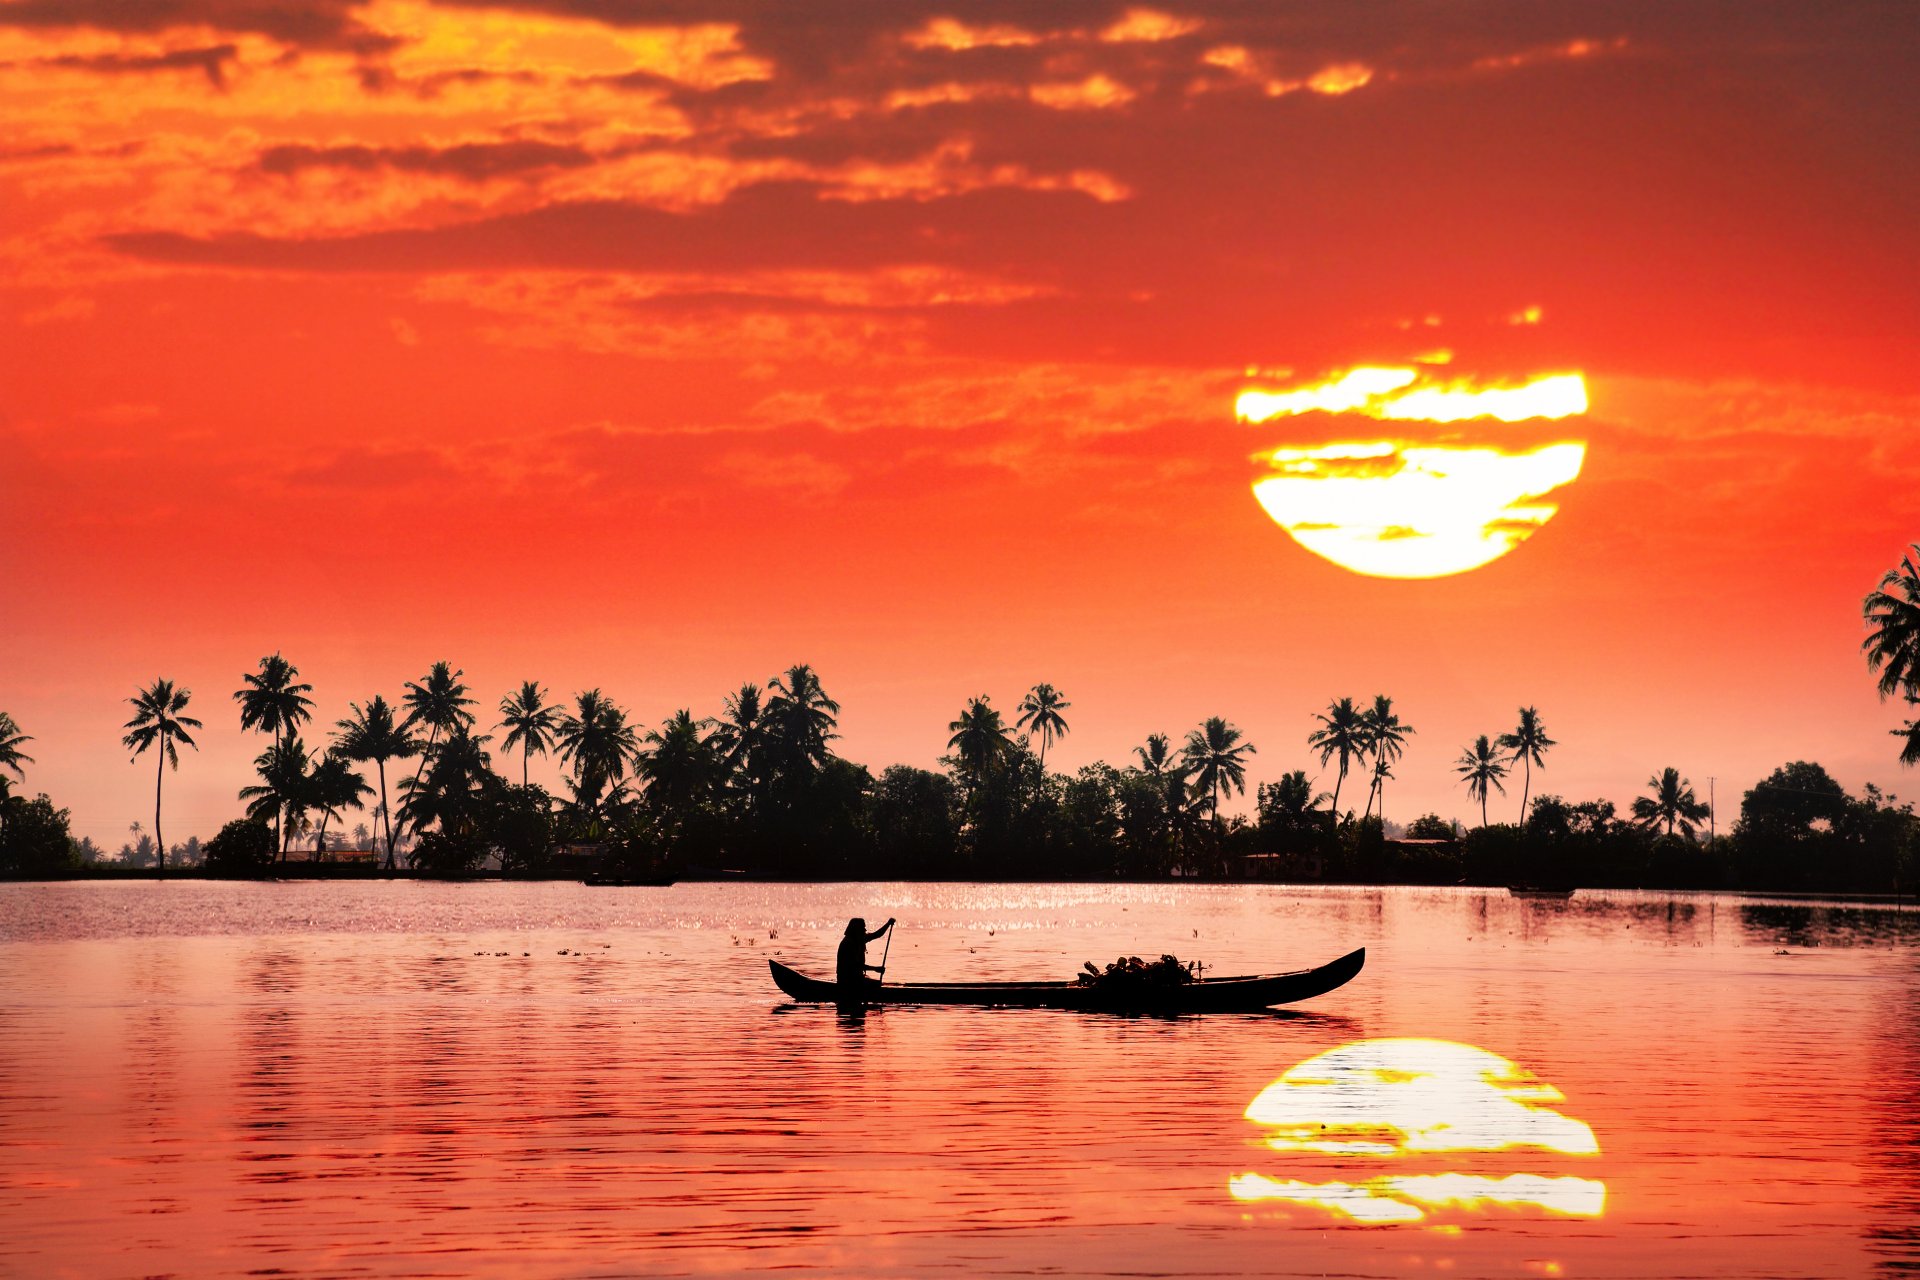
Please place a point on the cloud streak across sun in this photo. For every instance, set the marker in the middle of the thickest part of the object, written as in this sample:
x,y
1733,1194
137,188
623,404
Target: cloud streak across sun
x,y
1405,507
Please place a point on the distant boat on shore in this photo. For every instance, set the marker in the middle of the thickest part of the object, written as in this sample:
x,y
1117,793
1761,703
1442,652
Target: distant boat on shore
x,y
1529,891
628,882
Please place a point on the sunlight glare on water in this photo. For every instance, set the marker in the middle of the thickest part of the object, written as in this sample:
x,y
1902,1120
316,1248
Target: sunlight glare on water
x,y
448,1080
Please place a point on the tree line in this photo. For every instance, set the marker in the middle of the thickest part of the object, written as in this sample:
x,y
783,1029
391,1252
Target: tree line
x,y
759,788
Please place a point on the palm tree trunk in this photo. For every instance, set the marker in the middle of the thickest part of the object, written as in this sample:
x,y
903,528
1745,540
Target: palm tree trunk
x,y
1483,806
1525,787
1338,782
385,812
159,772
524,749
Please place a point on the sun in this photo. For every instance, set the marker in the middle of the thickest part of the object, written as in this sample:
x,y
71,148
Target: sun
x,y
1420,500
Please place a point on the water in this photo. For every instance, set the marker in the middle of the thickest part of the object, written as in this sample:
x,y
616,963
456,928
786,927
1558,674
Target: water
x,y
437,1080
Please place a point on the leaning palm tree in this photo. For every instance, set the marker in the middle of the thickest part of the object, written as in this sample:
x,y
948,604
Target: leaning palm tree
x,y
1040,714
274,702
157,722
1672,802
1892,611
1342,732
1216,758
530,721
1386,739
371,734
1482,768
11,757
1156,757
597,741
979,742
1529,745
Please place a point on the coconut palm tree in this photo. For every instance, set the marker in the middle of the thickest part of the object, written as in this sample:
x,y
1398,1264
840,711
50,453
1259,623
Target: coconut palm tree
x,y
801,720
1482,767
1386,737
1672,802
680,767
371,734
1529,744
274,702
1215,758
1040,715
1291,803
979,742
740,737
1342,732
448,791
331,787
157,722
1156,757
439,702
597,741
1892,612
283,788
531,723
11,757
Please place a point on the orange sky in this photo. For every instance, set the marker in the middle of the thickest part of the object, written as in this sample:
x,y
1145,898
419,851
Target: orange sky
x,y
658,346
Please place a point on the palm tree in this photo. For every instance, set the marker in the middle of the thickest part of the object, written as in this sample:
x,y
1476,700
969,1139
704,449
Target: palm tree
x,y
1672,802
1386,738
1342,732
739,738
440,702
1040,714
272,702
1216,758
801,719
680,766
447,792
596,739
531,723
283,788
157,721
1291,802
1529,744
979,740
1482,767
371,734
1156,758
11,757
331,787
1893,646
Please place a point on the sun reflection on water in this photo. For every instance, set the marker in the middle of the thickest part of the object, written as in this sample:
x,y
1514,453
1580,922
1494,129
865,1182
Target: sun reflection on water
x,y
1404,1098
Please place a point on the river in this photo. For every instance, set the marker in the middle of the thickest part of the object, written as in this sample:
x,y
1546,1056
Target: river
x,y
409,1079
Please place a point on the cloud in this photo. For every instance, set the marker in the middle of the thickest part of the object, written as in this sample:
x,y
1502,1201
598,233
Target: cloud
x,y
211,61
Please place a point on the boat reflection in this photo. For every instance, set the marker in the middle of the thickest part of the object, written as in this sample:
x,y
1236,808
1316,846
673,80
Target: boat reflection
x,y
1417,1098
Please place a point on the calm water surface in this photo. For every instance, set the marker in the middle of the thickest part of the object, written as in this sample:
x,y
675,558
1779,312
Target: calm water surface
x,y
437,1080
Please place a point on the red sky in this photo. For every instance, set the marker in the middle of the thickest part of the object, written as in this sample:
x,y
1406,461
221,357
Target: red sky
x,y
656,347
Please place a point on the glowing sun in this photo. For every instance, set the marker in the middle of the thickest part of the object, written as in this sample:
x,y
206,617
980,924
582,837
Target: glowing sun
x,y
1420,501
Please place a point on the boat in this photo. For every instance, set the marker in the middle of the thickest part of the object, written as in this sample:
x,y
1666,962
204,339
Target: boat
x,y
1528,891
1208,995
628,882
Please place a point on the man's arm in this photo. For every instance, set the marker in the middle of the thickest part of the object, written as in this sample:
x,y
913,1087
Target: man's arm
x,y
881,930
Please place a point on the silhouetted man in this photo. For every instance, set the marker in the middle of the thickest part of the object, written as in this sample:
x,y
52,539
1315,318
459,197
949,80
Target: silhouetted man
x,y
852,970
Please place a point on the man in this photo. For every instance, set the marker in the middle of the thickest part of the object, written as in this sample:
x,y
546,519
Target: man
x,y
852,970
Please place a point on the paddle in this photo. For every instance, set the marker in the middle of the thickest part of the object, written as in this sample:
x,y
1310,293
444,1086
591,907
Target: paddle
x,y
884,950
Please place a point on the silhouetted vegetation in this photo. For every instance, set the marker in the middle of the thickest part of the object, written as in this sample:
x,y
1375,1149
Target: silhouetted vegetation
x,y
759,790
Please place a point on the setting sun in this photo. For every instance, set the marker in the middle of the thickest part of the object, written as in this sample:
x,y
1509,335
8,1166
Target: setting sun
x,y
1414,507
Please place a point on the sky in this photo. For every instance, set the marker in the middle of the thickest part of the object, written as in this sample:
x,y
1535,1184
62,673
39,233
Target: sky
x,y
655,347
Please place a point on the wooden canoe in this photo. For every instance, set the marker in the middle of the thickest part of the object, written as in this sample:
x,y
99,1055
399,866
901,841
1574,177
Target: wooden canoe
x,y
1209,995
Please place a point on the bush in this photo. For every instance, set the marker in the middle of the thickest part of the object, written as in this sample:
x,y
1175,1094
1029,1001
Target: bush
x,y
243,848
442,853
34,839
1430,826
